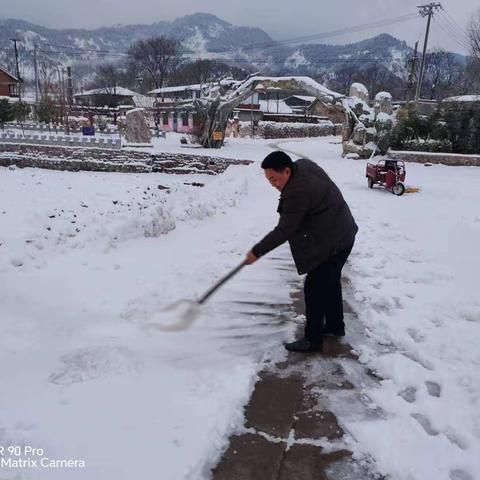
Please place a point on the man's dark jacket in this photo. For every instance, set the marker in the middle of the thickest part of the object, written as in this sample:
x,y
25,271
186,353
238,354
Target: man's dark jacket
x,y
314,218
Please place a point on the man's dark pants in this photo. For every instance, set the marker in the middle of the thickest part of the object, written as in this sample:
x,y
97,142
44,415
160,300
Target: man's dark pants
x,y
323,296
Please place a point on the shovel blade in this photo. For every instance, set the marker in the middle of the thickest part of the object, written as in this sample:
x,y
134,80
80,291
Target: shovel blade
x,y
176,317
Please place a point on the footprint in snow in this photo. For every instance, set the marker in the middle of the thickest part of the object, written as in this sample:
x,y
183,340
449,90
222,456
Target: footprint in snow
x,y
426,424
433,389
409,394
458,474
416,335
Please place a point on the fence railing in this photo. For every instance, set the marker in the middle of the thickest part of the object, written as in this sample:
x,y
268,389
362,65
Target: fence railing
x,y
61,140
56,129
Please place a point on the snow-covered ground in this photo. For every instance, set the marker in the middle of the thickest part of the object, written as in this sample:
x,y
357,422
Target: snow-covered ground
x,y
414,273
84,377
87,259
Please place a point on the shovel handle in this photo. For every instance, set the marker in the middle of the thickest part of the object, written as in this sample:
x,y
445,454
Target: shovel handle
x,y
224,279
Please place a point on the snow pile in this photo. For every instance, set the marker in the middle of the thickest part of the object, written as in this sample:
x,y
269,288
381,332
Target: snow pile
x,y
383,96
463,98
70,217
383,117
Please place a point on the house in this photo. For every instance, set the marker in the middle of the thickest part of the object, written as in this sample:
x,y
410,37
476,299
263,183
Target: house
x,y
170,110
170,116
249,109
299,103
176,93
9,85
112,97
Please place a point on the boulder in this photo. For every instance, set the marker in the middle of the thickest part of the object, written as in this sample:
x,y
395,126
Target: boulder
x,y
360,91
136,128
383,103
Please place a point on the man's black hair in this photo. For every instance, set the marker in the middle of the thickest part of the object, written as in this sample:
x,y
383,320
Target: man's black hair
x,y
277,161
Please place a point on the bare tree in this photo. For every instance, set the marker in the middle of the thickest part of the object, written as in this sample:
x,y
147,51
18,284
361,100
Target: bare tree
x,y
442,73
201,71
471,80
474,36
375,76
108,77
154,57
344,77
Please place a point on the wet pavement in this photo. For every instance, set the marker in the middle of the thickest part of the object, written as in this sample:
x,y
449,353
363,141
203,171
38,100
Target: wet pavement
x,y
290,430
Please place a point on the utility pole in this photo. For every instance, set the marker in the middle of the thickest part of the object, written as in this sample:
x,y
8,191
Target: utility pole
x,y
35,65
15,40
411,76
69,86
425,11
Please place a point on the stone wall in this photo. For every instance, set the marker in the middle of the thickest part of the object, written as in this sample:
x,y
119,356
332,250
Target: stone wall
x,y
80,159
285,129
444,158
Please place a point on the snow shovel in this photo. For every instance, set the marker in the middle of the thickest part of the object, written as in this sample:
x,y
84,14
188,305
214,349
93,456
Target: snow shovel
x,y
183,313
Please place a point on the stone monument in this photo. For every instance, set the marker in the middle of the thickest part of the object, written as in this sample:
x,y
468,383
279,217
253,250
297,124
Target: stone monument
x,y
136,128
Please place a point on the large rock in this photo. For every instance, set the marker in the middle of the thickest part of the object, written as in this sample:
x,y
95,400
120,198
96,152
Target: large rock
x,y
360,91
383,103
136,128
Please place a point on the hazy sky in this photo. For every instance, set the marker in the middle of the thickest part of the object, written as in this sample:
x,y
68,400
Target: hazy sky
x,y
281,21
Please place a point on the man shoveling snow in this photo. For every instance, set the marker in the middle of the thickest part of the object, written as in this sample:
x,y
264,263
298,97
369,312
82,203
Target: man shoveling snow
x,y
318,224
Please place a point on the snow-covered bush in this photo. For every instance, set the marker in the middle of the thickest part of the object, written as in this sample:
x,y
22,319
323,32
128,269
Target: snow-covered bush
x,y
434,146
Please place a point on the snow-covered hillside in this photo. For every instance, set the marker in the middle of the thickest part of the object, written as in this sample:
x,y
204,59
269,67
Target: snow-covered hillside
x,y
201,35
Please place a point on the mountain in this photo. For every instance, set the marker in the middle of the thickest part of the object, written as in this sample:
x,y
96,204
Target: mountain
x,y
202,36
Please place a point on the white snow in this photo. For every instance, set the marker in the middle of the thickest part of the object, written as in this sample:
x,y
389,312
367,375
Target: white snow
x,y
296,59
414,273
383,117
196,42
360,87
120,91
463,98
274,106
383,96
84,377
88,378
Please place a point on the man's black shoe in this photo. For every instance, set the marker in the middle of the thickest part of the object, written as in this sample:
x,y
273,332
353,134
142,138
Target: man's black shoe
x,y
303,346
333,332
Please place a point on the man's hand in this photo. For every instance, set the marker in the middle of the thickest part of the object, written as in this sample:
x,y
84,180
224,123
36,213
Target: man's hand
x,y
250,258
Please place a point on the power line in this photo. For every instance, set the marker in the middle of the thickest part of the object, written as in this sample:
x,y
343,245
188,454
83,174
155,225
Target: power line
x,y
333,33
265,45
455,23
455,28
451,33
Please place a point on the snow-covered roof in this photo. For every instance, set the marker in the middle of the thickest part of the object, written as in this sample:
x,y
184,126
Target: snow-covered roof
x,y
463,98
194,87
119,91
178,88
139,100
270,106
305,98
306,83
